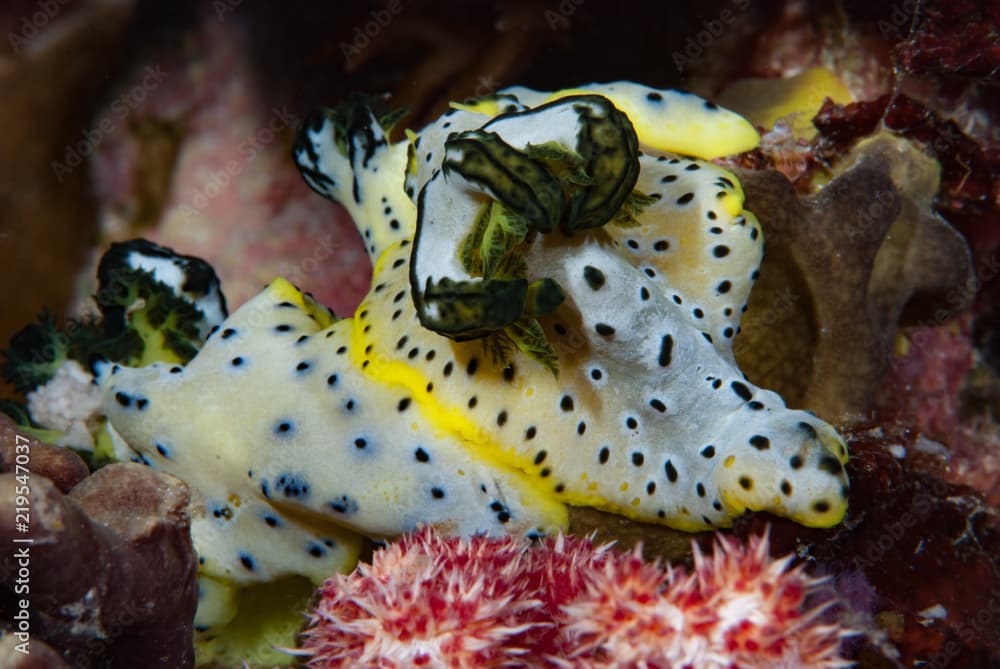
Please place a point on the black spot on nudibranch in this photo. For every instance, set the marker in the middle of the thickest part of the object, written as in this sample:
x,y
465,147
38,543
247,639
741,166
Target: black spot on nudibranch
x,y
741,390
760,442
708,452
638,459
604,455
566,403
795,462
292,486
685,199
284,428
831,465
671,471
724,287
809,430
746,483
604,329
654,97
228,332
786,488
343,505
437,493
421,455
123,399
247,561
594,277
720,251
658,405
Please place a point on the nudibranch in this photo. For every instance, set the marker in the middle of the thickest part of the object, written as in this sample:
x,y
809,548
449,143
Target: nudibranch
x,y
584,230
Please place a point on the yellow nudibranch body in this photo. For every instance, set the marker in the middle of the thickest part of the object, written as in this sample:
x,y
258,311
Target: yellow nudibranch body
x,y
301,431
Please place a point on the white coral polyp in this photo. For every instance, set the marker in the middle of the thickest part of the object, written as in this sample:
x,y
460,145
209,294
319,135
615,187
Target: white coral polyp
x,y
71,403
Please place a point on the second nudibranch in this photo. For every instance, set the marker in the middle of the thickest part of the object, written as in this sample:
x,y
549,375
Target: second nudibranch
x,y
301,429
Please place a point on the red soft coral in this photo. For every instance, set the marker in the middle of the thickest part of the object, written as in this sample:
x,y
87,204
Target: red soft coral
x,y
428,601
492,602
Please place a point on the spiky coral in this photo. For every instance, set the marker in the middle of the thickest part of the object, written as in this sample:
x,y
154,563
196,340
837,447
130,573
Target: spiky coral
x,y
429,601
738,608
491,602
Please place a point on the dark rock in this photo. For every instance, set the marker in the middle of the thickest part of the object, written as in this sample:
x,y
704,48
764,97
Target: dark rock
x,y
112,567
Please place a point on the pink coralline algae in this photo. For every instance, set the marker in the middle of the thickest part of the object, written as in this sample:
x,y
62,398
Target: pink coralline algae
x,y
432,601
